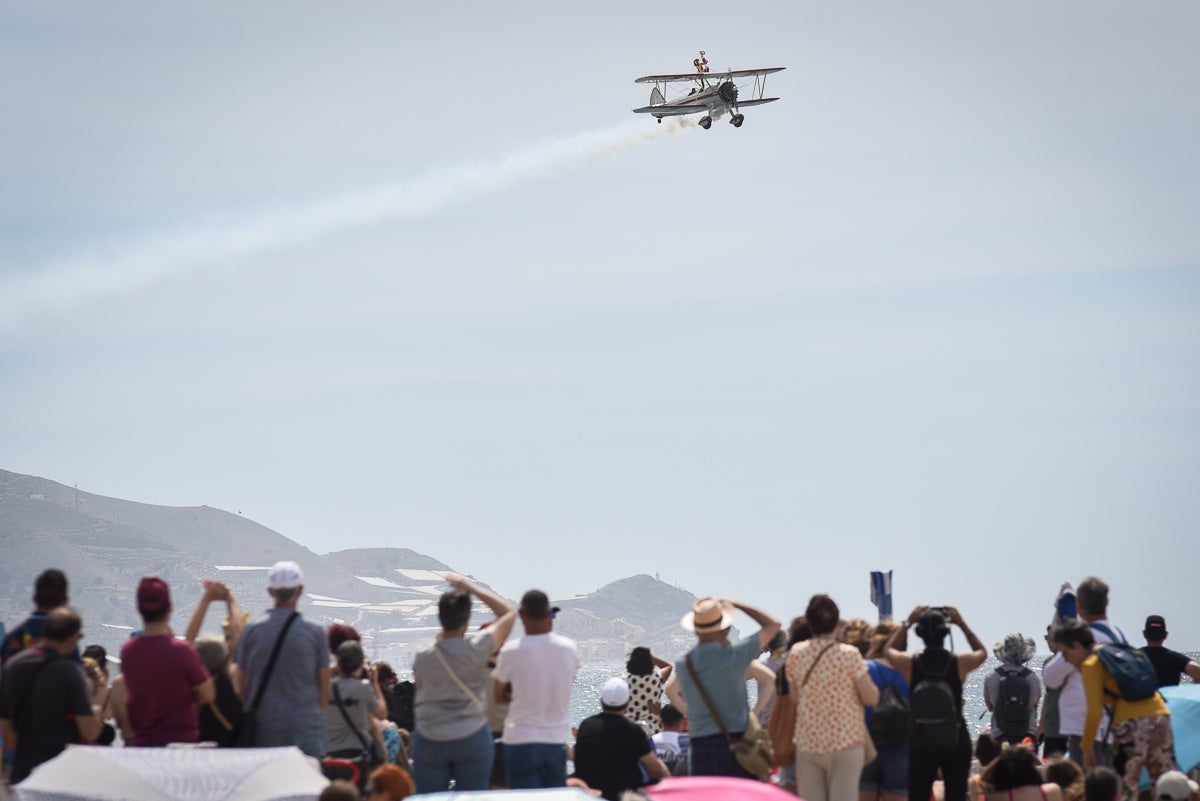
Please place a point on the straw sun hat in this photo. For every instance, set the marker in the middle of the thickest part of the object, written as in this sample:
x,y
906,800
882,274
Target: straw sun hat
x,y
709,614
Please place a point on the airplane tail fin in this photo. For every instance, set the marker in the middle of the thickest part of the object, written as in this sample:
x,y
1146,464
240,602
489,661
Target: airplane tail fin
x,y
656,97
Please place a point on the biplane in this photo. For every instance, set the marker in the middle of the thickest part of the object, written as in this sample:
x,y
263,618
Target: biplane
x,y
712,95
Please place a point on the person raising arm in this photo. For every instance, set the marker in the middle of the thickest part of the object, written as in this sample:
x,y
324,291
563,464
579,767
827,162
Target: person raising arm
x,y
897,644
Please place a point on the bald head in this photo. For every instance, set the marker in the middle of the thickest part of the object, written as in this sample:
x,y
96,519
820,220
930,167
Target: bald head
x,y
62,628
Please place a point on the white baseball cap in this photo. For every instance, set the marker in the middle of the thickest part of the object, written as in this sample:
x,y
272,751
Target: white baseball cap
x,y
1174,785
615,693
285,576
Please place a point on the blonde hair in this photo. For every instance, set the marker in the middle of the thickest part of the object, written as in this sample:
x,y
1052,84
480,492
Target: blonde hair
x,y
857,633
877,637
95,675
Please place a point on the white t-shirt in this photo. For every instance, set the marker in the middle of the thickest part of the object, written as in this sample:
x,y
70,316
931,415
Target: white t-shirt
x,y
666,745
541,669
1060,674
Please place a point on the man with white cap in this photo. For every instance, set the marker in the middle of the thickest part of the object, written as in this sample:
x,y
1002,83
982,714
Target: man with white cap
x,y
721,667
1174,785
291,705
609,748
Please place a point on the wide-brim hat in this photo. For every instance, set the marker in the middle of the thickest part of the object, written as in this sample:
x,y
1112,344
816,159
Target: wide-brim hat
x,y
708,614
1014,649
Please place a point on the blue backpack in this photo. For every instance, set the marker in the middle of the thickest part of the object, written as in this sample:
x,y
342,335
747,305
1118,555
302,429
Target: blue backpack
x,y
1133,671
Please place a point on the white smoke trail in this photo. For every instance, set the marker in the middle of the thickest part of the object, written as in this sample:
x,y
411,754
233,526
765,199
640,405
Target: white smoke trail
x,y
70,284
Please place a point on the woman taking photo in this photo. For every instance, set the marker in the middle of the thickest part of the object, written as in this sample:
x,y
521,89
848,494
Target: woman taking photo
x,y
451,737
945,672
354,699
830,685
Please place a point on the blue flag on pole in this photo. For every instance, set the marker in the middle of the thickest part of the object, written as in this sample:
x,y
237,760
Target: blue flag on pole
x,y
881,593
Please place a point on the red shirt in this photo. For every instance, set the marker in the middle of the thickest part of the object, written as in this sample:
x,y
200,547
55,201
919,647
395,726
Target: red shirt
x,y
160,675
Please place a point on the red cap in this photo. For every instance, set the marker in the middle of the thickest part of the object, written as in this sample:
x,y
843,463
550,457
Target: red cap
x,y
153,593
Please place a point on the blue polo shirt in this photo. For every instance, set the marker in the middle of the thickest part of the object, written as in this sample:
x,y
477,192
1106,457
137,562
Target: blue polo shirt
x,y
291,701
722,668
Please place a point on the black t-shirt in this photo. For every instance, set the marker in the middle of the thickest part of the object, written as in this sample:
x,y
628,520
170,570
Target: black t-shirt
x,y
228,704
1168,664
41,694
607,753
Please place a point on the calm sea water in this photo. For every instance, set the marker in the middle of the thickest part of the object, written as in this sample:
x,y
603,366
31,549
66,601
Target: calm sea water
x,y
584,697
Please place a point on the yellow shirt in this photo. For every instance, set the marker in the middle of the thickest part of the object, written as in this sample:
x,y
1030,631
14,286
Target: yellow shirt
x,y
1095,681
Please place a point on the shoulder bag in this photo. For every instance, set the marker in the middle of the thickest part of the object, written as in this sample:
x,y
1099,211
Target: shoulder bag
x,y
366,759
246,728
782,724
479,702
753,749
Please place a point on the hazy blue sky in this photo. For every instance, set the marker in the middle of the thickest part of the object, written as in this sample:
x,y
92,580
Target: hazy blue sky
x,y
412,275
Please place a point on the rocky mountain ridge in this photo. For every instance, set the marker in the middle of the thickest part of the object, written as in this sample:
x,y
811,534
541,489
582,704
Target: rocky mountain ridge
x,y
105,545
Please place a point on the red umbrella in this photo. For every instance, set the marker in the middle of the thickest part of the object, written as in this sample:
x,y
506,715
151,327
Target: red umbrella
x,y
715,788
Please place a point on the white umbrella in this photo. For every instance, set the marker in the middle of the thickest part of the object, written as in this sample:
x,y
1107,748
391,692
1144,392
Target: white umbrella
x,y
94,773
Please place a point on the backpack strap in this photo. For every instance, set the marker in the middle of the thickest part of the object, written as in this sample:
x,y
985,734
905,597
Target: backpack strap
x,y
1112,635
945,672
271,662
337,696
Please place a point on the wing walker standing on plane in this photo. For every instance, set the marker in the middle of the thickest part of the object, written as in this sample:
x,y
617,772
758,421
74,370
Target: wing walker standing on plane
x,y
712,95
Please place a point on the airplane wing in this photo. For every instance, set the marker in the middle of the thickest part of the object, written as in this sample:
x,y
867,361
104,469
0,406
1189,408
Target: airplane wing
x,y
748,73
758,102
679,76
712,76
669,110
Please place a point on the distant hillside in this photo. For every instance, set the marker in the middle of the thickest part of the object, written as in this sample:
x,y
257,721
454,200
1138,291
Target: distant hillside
x,y
640,610
105,545
368,561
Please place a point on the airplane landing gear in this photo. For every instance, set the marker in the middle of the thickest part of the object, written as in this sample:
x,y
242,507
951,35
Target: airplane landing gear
x,y
706,122
737,119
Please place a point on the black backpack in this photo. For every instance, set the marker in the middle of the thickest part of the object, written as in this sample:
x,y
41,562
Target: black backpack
x,y
400,704
934,709
890,719
1010,715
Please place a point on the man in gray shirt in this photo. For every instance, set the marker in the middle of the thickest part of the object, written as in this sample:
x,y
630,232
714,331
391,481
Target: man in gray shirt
x,y
292,709
1012,691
